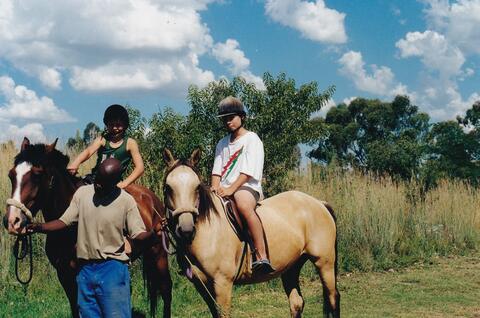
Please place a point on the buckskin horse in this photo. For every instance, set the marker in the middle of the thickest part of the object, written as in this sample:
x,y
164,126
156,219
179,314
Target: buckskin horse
x,y
40,181
297,228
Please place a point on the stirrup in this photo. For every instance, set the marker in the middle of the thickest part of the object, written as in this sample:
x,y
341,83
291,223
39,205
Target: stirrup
x,y
262,266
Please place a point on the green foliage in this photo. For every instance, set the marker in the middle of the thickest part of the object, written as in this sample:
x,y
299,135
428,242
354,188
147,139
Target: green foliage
x,y
90,132
75,142
452,153
387,138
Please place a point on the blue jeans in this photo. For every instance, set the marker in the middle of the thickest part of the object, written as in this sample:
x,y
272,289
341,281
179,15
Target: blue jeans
x,y
104,290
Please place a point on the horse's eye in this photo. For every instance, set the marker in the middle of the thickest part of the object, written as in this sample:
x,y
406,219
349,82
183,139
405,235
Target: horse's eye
x,y
11,174
167,188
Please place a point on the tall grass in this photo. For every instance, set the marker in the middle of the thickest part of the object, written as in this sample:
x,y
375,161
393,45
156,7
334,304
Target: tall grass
x,y
7,152
383,224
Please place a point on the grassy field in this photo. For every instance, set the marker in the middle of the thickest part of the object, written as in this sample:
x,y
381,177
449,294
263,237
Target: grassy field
x,y
401,254
444,287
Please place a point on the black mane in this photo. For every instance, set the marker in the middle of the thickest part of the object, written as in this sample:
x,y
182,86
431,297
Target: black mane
x,y
37,156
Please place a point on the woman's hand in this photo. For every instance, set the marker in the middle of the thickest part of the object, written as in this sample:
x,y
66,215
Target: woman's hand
x,y
72,170
122,184
224,192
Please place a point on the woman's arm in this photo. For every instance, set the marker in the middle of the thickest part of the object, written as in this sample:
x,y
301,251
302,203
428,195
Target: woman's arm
x,y
226,192
85,155
138,169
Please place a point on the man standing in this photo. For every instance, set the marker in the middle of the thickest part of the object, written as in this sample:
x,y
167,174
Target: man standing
x,y
103,213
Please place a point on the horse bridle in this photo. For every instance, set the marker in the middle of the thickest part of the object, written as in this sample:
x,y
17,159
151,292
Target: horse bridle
x,y
23,243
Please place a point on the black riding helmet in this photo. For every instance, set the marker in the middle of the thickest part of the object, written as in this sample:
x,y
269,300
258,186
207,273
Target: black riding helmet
x,y
116,111
230,106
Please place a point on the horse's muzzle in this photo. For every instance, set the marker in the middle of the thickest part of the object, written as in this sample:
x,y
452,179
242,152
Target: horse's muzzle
x,y
15,225
186,236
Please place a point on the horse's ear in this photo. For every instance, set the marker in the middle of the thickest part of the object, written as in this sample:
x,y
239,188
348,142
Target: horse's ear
x,y
51,147
168,157
195,157
25,143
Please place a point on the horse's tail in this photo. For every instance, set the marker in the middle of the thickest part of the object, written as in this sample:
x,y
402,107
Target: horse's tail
x,y
336,313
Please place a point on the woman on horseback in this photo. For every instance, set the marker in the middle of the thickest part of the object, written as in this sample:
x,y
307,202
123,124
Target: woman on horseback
x,y
114,143
237,173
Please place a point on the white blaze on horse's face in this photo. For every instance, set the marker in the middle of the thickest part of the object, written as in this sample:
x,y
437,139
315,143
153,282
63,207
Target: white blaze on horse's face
x,y
183,197
184,183
15,215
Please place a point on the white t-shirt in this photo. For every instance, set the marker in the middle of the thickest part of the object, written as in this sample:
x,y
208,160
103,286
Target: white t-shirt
x,y
244,155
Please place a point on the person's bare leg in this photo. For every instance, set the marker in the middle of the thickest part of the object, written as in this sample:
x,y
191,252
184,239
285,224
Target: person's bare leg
x,y
246,207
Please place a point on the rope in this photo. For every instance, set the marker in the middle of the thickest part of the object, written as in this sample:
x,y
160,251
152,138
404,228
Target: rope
x,y
22,247
217,306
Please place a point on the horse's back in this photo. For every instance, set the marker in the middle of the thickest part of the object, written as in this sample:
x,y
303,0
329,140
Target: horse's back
x,y
296,205
149,204
296,222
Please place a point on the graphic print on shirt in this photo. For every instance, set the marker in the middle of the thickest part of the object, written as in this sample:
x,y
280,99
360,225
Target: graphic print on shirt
x,y
232,162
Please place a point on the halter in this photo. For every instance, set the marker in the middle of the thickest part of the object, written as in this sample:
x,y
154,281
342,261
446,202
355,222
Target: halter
x,y
22,207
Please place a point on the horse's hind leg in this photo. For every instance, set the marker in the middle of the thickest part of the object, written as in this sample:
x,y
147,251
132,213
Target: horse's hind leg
x,y
67,279
290,280
158,279
165,283
331,296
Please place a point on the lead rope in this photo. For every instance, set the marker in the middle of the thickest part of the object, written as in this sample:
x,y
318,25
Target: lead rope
x,y
22,248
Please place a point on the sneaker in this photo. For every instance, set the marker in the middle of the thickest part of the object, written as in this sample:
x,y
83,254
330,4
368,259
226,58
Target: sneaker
x,y
262,267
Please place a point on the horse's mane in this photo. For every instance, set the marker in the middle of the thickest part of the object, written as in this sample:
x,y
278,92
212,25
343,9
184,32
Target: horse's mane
x,y
205,195
38,156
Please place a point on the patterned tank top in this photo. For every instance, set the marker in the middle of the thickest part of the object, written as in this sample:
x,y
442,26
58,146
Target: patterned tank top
x,y
120,153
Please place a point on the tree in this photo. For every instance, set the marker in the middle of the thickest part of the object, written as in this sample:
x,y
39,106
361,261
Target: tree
x,y
383,137
90,132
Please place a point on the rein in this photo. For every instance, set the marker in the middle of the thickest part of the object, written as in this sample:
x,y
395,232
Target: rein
x,y
22,248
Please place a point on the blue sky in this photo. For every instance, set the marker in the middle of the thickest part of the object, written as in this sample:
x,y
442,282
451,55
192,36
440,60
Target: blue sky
x,y
63,62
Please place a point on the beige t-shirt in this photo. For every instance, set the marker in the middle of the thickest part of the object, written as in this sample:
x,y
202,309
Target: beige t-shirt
x,y
102,224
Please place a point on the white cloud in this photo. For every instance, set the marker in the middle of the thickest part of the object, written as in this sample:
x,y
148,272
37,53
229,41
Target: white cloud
x,y
33,131
51,78
105,45
348,100
434,50
458,21
23,103
381,81
313,19
229,53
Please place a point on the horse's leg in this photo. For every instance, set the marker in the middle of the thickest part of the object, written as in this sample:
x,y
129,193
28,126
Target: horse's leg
x,y
158,279
223,295
207,292
290,280
67,277
331,296
164,281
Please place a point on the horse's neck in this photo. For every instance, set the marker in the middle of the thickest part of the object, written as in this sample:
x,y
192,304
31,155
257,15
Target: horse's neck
x,y
216,222
59,195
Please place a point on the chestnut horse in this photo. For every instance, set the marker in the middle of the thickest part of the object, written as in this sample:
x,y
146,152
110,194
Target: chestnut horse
x,y
40,181
297,228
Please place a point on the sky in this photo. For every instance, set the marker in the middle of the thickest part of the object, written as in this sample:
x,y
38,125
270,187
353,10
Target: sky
x,y
63,62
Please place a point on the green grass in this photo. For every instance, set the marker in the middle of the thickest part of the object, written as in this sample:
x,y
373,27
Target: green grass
x,y
448,287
